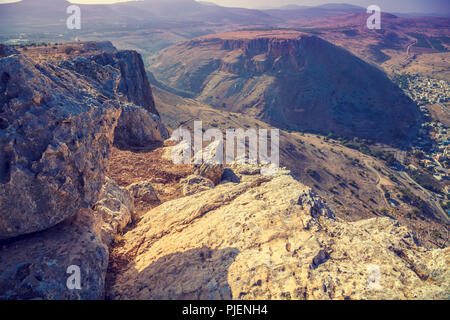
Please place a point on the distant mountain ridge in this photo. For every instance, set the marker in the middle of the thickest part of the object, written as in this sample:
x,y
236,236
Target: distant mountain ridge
x,y
50,15
332,6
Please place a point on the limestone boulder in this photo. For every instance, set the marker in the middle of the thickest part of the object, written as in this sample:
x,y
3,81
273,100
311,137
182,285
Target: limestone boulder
x,y
55,136
58,120
116,208
140,124
195,184
138,127
208,162
38,266
143,190
211,171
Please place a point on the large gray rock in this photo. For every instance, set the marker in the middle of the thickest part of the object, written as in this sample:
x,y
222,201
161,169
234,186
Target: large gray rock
x,y
55,135
195,184
35,267
138,128
58,121
140,124
134,84
143,190
116,209
271,238
208,162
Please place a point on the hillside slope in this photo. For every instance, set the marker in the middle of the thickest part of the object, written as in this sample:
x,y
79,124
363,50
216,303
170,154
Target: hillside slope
x,y
291,80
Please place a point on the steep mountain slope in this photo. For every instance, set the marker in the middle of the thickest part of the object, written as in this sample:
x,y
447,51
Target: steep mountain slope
x,y
292,80
151,25
270,237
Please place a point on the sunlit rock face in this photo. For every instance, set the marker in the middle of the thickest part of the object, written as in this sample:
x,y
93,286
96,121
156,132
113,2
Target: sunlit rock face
x,y
271,237
58,115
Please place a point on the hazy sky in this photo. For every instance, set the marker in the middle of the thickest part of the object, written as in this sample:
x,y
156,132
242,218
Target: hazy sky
x,y
76,1
388,5
425,6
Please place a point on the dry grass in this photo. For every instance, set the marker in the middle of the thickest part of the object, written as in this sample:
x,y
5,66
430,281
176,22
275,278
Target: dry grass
x,y
127,167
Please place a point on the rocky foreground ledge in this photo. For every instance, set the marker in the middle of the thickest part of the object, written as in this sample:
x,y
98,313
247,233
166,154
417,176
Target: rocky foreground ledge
x,y
270,237
59,109
229,233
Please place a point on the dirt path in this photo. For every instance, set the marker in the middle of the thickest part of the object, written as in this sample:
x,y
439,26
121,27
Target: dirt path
x,y
379,184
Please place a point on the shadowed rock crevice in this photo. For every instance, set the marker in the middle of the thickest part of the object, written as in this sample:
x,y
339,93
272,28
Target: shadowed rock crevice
x,y
5,165
200,273
321,257
34,266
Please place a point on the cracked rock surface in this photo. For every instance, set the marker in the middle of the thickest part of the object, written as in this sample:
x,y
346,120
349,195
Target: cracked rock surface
x,y
54,140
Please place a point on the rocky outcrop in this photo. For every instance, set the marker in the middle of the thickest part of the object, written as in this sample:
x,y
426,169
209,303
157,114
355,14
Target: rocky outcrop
x,y
116,209
138,128
38,266
252,236
55,136
270,237
211,171
134,82
58,116
59,213
139,124
208,162
194,184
